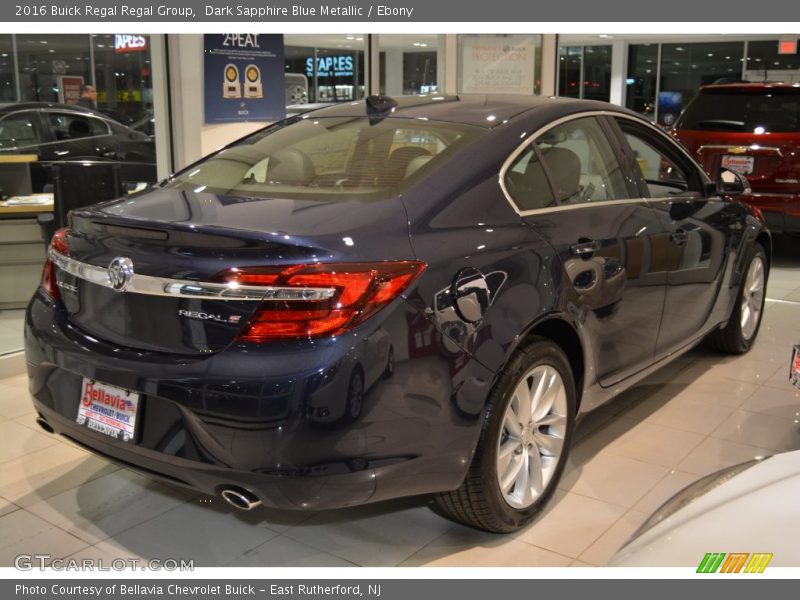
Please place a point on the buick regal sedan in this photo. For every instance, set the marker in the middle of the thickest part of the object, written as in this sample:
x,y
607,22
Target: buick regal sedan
x,y
392,297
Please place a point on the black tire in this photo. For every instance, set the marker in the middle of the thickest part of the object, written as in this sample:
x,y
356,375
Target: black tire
x,y
731,338
479,502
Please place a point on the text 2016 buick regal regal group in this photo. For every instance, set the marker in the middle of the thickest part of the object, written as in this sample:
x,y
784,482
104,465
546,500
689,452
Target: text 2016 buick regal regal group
x,y
129,11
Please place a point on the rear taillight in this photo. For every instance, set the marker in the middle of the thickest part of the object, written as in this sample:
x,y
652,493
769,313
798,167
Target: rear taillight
x,y
310,301
60,244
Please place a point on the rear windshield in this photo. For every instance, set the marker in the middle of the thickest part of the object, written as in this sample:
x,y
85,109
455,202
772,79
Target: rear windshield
x,y
330,158
769,111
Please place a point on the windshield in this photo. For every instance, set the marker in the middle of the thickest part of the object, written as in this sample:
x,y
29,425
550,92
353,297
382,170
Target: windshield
x,y
771,111
330,158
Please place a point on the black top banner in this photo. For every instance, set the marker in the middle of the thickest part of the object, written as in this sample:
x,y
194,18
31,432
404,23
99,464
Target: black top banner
x,y
408,11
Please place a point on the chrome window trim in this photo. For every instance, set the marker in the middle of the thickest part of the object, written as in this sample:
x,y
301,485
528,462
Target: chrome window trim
x,y
560,208
184,288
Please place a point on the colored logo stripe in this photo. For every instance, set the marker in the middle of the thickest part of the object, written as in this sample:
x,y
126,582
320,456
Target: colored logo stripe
x,y
734,563
758,562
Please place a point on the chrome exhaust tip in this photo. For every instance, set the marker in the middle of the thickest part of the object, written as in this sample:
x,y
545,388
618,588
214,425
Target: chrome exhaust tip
x,y
44,425
240,498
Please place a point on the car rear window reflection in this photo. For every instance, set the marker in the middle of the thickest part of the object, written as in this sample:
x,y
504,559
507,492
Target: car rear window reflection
x,y
330,159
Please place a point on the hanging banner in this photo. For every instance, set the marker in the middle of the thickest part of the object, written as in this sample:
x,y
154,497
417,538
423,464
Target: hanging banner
x,y
497,64
243,77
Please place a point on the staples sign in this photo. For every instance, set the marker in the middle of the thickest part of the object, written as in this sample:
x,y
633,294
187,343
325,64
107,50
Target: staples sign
x,y
129,43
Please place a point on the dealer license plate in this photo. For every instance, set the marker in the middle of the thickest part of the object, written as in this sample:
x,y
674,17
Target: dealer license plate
x,y
794,367
108,409
739,164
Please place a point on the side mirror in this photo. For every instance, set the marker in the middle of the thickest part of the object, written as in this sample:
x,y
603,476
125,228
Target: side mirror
x,y
731,183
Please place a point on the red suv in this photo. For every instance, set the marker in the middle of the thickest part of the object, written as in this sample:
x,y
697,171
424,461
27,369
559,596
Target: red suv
x,y
754,129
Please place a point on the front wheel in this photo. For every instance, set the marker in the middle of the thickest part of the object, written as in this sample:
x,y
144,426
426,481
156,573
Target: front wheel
x,y
740,333
523,444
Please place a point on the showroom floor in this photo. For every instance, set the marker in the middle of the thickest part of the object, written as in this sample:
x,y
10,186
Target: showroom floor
x,y
701,413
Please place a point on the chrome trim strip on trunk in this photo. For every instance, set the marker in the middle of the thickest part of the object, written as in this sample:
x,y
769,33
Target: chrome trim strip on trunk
x,y
184,288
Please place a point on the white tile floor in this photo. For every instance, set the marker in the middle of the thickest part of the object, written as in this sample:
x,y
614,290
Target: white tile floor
x,y
11,330
700,414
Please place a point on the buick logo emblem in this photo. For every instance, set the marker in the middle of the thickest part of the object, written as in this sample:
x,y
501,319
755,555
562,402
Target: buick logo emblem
x,y
120,272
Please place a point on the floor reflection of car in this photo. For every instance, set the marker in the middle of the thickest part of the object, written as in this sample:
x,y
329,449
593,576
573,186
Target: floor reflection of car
x,y
752,128
738,520
372,361
515,261
59,132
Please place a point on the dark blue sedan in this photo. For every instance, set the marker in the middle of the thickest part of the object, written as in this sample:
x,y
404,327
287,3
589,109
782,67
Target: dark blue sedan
x,y
391,297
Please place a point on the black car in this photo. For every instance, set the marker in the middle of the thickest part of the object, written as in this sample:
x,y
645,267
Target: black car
x,y
392,297
66,132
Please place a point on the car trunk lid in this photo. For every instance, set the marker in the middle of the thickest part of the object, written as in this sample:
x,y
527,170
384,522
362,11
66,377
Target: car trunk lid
x,y
177,243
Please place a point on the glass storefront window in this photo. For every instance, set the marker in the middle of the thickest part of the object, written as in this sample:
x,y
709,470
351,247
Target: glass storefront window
x,y
123,79
51,64
686,67
499,64
765,64
641,81
8,89
585,72
597,73
570,60
411,64
339,72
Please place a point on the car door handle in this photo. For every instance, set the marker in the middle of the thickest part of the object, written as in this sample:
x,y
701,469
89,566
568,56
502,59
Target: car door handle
x,y
585,248
61,152
679,237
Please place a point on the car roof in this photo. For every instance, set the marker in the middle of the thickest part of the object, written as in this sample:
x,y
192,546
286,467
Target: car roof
x,y
15,106
745,87
478,110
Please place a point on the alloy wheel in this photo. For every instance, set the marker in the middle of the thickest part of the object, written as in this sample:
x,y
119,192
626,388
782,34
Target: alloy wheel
x,y
532,440
752,298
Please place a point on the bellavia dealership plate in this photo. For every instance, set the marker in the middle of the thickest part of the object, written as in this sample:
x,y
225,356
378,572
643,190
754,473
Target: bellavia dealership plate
x,y
108,409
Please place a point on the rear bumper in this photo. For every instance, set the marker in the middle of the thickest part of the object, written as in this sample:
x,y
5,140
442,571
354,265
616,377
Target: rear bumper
x,y
272,421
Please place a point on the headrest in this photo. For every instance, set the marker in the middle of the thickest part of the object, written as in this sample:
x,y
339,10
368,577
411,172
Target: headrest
x,y
417,163
565,169
290,167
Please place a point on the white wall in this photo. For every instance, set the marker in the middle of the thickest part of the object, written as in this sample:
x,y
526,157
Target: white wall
x,y
193,138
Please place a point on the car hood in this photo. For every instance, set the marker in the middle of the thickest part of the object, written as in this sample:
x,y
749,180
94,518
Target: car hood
x,y
756,511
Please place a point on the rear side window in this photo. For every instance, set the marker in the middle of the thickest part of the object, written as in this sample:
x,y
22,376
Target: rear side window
x,y
18,131
581,163
771,111
68,126
527,182
331,158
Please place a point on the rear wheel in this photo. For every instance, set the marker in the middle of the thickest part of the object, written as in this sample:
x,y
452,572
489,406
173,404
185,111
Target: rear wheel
x,y
739,334
355,397
523,445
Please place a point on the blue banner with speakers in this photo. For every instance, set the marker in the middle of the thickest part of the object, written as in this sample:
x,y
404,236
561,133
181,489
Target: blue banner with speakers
x,y
244,77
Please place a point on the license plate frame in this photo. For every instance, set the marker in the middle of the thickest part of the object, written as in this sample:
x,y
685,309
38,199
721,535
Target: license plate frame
x,y
108,409
742,164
